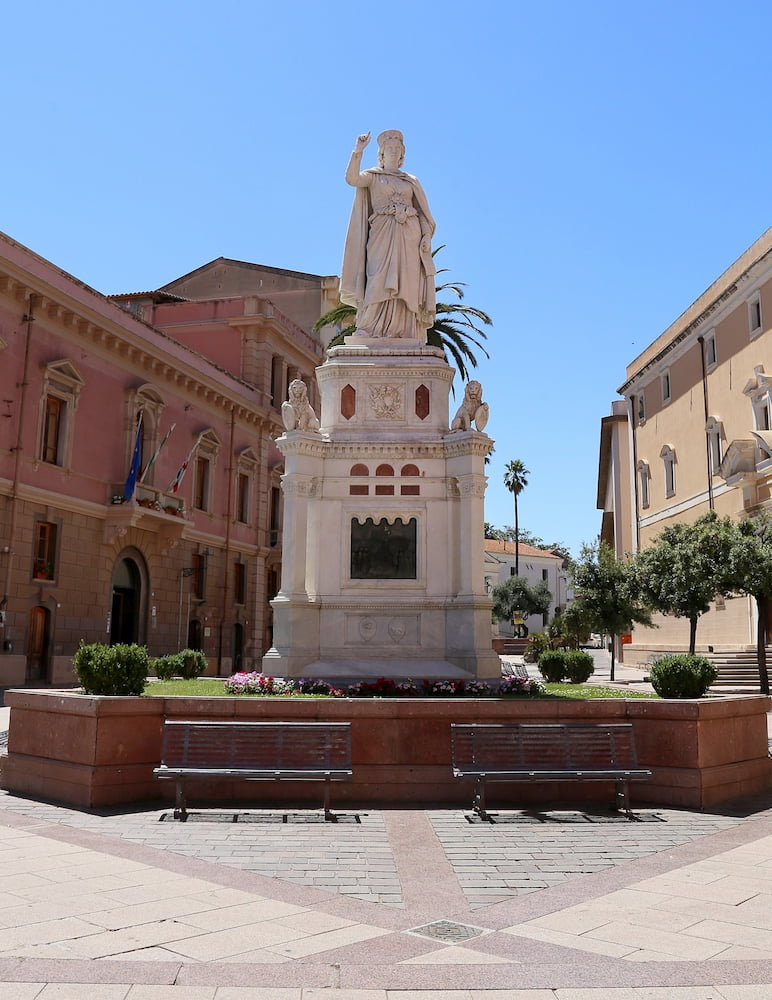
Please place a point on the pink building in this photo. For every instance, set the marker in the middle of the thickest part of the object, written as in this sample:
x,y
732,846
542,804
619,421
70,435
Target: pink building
x,y
195,379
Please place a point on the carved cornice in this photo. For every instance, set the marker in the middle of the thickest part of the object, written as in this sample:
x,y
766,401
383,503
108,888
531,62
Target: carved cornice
x,y
316,446
107,334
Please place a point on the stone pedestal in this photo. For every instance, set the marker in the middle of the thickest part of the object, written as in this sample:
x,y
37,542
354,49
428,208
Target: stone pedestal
x,y
382,571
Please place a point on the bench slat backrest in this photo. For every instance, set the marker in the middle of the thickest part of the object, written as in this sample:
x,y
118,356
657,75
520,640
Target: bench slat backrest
x,y
545,747
257,745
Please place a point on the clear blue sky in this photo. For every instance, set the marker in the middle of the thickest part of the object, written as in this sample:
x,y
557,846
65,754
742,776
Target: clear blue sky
x,y
592,167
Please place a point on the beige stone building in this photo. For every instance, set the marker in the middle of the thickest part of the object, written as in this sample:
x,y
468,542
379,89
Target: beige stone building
x,y
694,433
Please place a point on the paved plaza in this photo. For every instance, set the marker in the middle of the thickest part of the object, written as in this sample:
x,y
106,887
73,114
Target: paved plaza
x,y
258,904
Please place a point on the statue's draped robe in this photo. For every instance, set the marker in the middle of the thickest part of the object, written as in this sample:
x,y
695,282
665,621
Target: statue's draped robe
x,y
385,275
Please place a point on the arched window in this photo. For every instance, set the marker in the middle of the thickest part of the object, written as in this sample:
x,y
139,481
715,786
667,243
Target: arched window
x,y
668,457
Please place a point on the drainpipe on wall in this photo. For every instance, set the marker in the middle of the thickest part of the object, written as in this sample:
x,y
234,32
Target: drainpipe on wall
x,y
28,319
701,342
636,519
227,541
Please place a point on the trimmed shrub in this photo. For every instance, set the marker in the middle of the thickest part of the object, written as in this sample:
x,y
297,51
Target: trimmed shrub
x,y
578,666
552,666
682,676
166,667
192,663
112,670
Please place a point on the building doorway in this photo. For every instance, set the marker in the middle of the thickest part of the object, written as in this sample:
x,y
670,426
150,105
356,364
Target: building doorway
x,y
126,602
195,634
38,647
237,651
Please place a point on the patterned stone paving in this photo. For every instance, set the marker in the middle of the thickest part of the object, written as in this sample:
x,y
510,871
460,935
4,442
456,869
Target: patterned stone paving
x,y
525,851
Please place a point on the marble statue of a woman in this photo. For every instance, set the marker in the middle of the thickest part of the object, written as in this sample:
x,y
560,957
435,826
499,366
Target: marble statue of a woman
x,y
388,271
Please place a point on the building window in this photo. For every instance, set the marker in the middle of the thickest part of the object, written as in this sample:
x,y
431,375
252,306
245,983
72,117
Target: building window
x,y
759,391
641,409
275,526
665,383
44,562
715,431
207,449
669,462
246,469
242,498
62,384
52,430
240,583
198,577
754,314
201,486
644,479
711,358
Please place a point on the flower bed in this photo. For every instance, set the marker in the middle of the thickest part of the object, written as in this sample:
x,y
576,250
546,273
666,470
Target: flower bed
x,y
384,687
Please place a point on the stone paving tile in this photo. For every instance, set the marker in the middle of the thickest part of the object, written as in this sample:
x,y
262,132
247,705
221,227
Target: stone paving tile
x,y
522,852
352,857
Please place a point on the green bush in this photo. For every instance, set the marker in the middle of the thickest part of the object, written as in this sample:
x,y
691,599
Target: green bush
x,y
166,667
112,670
578,666
682,676
187,664
552,666
192,663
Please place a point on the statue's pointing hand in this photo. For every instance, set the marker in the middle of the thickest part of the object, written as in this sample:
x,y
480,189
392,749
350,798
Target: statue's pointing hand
x,y
362,141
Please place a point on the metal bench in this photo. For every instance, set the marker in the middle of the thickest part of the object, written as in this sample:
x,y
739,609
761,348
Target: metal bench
x,y
254,751
546,752
514,670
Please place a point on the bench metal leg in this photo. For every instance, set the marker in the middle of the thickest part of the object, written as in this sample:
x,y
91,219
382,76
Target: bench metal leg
x,y
623,796
180,810
329,815
479,799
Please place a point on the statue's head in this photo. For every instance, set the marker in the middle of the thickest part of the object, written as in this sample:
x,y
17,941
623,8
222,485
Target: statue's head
x,y
391,137
297,390
473,390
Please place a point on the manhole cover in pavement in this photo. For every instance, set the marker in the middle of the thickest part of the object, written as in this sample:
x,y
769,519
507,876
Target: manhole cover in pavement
x,y
448,931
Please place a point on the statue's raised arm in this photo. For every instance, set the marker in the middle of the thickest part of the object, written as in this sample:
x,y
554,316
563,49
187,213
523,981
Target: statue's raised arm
x,y
388,271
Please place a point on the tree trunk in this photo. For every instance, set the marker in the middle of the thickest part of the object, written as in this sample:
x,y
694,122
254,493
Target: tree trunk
x,y
692,633
517,541
613,648
761,643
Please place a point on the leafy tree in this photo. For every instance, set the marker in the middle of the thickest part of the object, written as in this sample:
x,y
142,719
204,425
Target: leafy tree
x,y
575,624
456,328
516,480
517,594
686,568
606,598
750,570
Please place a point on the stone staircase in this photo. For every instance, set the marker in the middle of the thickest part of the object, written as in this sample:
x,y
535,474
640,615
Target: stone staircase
x,y
738,671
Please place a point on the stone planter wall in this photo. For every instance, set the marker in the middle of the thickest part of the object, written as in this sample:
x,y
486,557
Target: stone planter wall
x,y
98,751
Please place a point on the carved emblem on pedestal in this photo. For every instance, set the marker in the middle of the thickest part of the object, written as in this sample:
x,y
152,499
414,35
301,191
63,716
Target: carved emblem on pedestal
x,y
367,629
397,629
386,401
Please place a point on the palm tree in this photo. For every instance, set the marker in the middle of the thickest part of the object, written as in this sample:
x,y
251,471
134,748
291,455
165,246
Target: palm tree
x,y
515,480
452,330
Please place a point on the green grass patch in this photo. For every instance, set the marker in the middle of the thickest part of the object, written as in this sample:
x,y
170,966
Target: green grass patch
x,y
212,687
593,691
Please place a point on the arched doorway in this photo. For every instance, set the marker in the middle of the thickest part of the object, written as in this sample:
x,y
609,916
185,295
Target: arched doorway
x,y
126,605
237,651
38,646
195,634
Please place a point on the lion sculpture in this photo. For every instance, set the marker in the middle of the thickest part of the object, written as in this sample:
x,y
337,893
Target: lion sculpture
x,y
297,413
472,409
